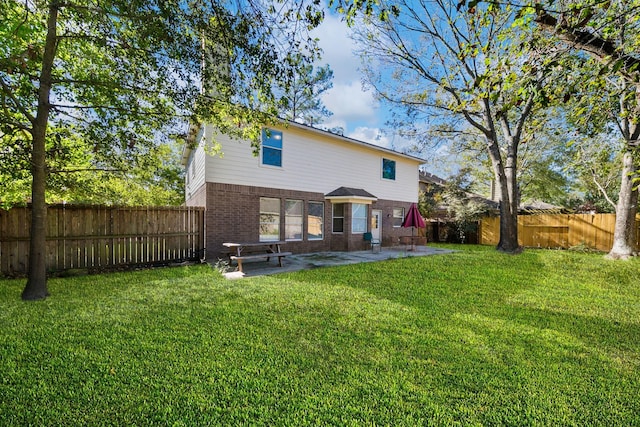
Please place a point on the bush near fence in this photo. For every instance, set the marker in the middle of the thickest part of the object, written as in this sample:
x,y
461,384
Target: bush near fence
x,y
103,237
594,231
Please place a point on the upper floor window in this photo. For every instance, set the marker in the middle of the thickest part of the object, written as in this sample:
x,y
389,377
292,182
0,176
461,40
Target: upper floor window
x,y
271,147
389,169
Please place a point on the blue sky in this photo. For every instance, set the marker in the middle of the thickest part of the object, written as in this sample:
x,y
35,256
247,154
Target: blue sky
x,y
354,109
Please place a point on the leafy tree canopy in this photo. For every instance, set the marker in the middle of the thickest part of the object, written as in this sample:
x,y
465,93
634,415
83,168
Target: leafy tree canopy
x,y
121,76
127,78
301,100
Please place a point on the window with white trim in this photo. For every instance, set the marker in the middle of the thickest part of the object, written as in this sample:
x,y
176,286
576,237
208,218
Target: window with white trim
x,y
398,217
359,218
271,147
315,221
293,220
389,169
269,219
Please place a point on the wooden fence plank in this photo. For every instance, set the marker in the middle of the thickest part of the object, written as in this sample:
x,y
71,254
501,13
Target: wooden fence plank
x,y
557,231
14,240
102,237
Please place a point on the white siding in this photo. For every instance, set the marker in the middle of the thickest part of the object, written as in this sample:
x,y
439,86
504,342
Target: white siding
x,y
315,163
195,170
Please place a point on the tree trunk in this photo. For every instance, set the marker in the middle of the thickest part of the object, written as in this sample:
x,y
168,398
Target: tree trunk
x,y
507,184
624,236
508,220
36,287
606,51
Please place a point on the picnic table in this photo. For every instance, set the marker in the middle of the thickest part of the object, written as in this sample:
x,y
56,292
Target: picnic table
x,y
255,250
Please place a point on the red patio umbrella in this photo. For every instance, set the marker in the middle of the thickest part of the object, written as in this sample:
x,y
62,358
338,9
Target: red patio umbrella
x,y
413,219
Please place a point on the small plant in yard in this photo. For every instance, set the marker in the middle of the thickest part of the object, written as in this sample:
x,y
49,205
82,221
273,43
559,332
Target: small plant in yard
x,y
583,248
475,337
463,208
222,266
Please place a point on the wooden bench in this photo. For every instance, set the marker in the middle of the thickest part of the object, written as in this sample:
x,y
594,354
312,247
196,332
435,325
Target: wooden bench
x,y
226,253
266,255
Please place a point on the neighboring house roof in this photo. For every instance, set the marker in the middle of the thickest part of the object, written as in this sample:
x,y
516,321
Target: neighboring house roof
x,y
540,207
430,178
534,207
538,204
491,204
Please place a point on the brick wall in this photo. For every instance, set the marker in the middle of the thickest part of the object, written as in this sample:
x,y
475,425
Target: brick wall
x,y
390,234
233,215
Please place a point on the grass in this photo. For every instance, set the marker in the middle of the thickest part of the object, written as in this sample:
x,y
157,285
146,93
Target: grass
x,y
471,338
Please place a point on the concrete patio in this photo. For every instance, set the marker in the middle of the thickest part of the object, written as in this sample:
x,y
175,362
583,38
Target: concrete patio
x,y
328,259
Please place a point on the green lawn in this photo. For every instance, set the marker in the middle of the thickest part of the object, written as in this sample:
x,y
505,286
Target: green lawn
x,y
470,338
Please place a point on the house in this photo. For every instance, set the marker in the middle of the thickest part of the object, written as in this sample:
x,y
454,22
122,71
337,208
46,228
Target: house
x,y
316,190
440,226
433,185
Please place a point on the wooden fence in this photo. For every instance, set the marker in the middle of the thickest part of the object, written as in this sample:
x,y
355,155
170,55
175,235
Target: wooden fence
x,y
557,231
102,237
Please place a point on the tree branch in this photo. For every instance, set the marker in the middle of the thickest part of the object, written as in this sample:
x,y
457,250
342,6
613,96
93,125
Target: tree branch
x,y
591,43
149,112
7,90
84,170
602,190
525,113
17,125
24,21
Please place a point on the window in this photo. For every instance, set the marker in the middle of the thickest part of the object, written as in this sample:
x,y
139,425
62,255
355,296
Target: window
x,y
398,217
338,218
269,219
293,220
359,218
315,221
389,169
271,147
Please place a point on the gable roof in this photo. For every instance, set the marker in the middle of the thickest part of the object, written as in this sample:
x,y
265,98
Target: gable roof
x,y
350,192
350,195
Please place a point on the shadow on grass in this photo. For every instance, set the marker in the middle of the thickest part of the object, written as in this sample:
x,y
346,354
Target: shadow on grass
x,y
469,338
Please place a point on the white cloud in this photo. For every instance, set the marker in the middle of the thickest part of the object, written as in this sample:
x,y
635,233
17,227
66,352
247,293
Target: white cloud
x,y
371,135
357,111
333,35
348,102
384,138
